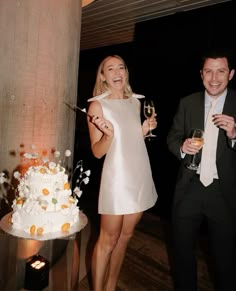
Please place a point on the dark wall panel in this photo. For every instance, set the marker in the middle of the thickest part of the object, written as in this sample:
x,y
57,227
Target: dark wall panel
x,y
163,62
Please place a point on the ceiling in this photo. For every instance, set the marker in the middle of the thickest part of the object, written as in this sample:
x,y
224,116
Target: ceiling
x,y
110,22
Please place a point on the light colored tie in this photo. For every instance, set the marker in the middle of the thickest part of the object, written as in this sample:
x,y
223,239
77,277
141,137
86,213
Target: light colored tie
x,y
208,160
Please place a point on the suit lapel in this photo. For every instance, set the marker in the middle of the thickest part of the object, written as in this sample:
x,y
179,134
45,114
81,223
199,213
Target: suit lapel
x,y
227,109
197,115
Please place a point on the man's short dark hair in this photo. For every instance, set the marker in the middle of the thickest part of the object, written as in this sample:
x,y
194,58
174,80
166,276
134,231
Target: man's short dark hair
x,y
215,53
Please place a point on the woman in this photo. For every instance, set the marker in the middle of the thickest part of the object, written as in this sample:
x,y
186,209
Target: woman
x,y
127,187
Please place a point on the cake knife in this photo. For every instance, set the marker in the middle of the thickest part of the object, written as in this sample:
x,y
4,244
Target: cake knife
x,y
75,108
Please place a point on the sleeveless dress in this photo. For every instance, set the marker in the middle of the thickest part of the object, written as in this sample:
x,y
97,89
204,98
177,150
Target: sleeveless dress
x,y
126,182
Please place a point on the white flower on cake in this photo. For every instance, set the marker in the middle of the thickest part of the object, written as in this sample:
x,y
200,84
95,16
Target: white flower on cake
x,y
83,178
31,156
57,154
67,153
16,175
3,179
5,184
45,202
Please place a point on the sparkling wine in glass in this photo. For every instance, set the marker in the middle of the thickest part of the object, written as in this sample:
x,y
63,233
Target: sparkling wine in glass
x,y
198,140
149,111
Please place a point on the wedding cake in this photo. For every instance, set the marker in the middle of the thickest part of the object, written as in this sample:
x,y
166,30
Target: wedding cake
x,y
44,203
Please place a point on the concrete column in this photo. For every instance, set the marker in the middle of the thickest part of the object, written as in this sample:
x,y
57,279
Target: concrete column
x,y
39,57
39,61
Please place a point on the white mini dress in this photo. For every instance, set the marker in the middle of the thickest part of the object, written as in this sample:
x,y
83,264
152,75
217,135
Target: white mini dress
x,y
126,182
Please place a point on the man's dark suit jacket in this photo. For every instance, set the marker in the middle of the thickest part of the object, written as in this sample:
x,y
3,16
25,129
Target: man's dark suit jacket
x,y
190,114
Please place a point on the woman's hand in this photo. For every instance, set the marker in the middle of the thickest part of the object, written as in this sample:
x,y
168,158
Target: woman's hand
x,y
103,125
149,123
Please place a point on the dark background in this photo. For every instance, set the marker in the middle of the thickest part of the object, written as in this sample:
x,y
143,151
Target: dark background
x,y
164,64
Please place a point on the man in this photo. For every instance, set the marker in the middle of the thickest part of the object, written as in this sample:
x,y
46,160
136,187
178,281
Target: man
x,y
198,197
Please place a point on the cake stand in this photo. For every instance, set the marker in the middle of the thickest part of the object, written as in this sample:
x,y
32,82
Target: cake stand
x,y
77,227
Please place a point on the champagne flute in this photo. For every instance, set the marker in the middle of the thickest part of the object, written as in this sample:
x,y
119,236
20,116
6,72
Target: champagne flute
x,y
197,139
149,111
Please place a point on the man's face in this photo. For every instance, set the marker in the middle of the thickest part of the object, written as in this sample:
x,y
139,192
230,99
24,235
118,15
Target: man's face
x,y
216,75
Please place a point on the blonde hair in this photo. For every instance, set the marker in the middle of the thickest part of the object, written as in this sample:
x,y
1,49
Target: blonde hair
x,y
101,87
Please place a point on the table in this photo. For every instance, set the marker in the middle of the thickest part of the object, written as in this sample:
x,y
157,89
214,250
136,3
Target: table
x,y
61,253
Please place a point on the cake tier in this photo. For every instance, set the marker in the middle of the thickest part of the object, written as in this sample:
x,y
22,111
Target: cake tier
x,y
45,222
42,183
44,203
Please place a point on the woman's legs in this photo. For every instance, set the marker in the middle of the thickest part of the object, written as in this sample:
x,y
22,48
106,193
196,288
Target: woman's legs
x,y
118,254
110,229
109,251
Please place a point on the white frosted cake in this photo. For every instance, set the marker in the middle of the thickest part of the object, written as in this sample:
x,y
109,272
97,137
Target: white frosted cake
x,y
44,203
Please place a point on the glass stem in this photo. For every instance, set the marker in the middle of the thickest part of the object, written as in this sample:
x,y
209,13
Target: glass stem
x,y
193,159
150,131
